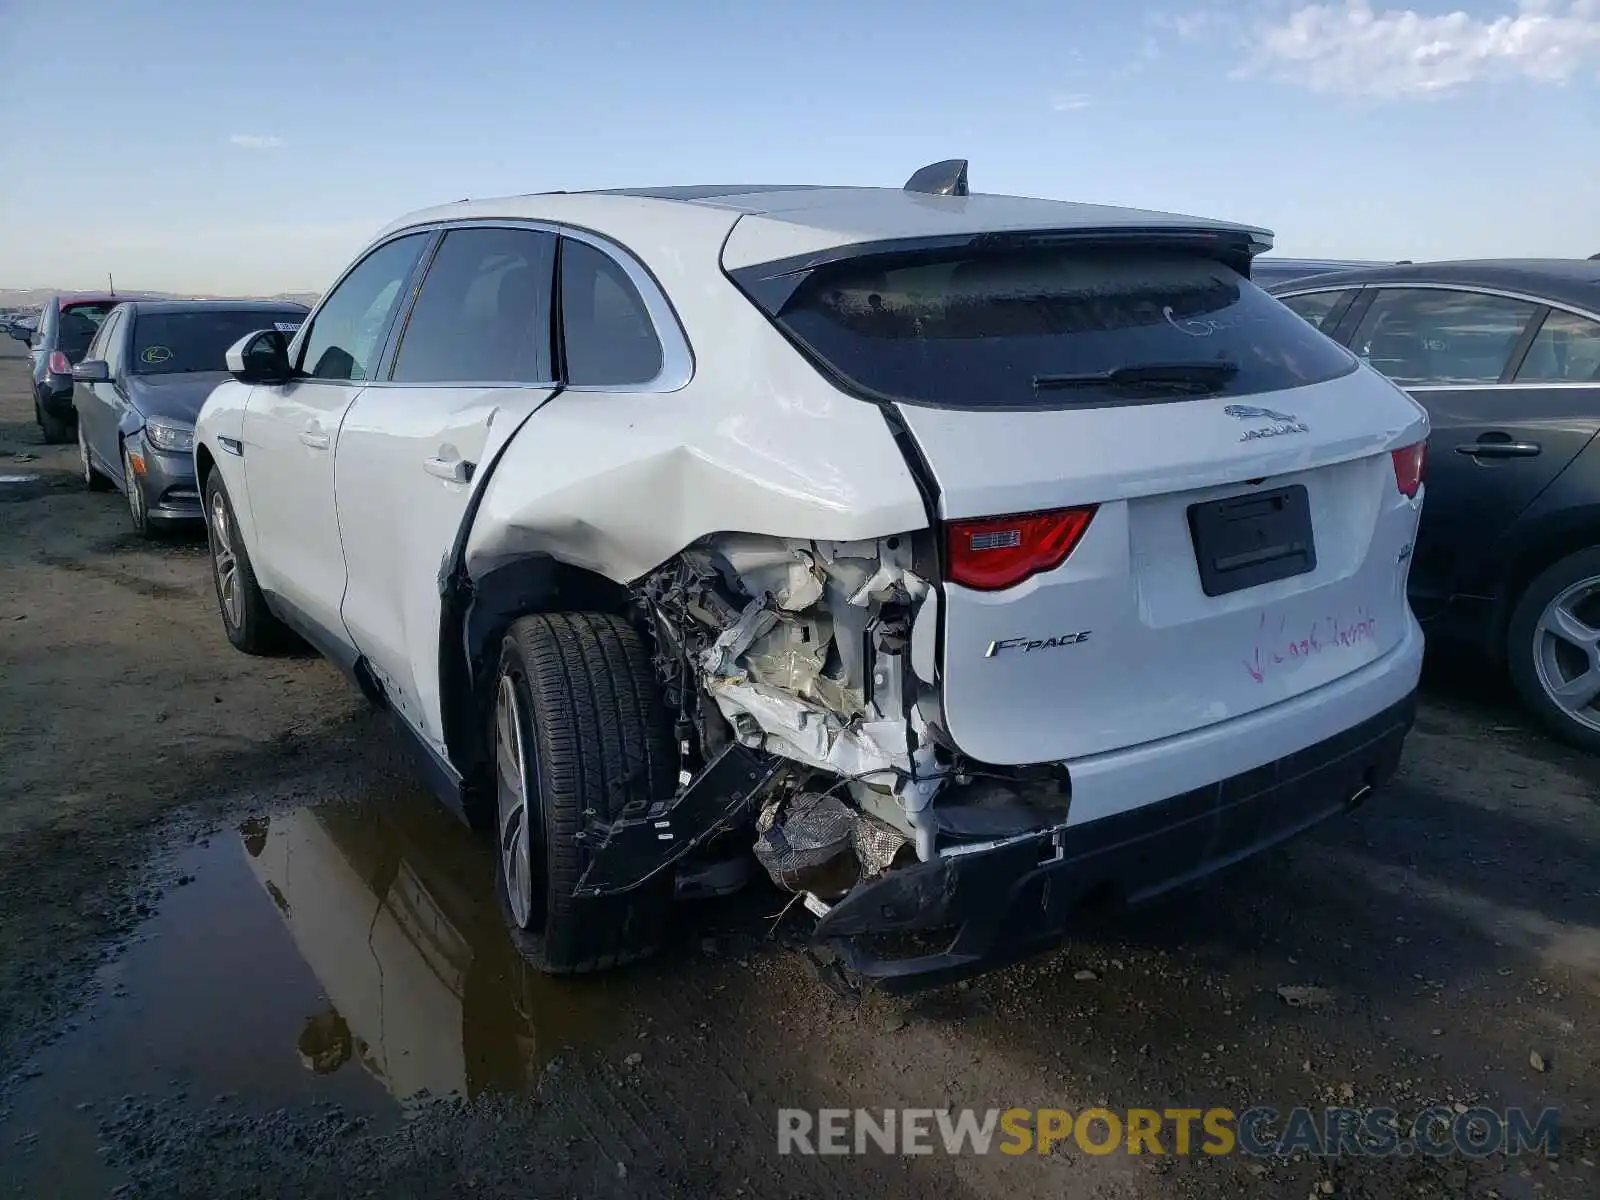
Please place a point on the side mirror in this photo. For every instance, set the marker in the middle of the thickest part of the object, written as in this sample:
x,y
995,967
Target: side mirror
x,y
261,357
92,370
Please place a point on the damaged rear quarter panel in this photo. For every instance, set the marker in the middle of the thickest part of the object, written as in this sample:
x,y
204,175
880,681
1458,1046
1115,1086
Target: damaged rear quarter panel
x,y
758,442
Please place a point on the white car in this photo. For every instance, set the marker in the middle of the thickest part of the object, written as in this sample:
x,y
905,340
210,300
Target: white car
x,y
971,559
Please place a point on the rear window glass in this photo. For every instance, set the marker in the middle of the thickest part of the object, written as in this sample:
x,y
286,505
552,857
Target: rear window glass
x,y
166,343
79,324
1038,328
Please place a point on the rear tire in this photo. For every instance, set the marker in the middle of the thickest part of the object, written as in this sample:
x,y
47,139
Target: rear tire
x,y
54,429
577,721
246,619
1553,648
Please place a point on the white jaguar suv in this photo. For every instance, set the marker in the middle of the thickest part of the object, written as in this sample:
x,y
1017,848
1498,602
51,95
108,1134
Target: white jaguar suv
x,y
961,560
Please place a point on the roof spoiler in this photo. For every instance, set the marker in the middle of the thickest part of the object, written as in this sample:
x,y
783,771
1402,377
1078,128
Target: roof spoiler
x,y
947,178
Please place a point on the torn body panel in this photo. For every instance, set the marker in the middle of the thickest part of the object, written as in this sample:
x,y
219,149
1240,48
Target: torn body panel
x,y
810,651
800,644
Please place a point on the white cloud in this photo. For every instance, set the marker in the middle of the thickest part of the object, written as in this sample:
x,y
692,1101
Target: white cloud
x,y
256,141
1069,102
1354,49
1190,25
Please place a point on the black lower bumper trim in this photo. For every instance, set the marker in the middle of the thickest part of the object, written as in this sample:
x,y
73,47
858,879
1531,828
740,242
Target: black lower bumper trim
x,y
57,404
1004,904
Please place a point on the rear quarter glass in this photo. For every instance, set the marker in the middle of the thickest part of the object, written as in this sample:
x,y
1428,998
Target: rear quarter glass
x,y
976,329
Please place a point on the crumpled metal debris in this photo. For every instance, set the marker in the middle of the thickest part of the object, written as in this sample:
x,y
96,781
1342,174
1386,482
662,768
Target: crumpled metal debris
x,y
810,734
817,843
806,844
810,651
770,670
876,843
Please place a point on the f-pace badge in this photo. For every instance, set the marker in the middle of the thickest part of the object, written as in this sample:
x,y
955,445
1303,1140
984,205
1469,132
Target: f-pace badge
x,y
1028,645
1282,423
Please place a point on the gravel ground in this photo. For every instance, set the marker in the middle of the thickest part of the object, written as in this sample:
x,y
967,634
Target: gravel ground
x,y
241,953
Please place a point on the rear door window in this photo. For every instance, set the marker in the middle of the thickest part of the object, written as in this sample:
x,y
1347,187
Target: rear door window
x,y
608,336
1441,336
1565,350
108,342
1321,309
99,346
1051,326
483,314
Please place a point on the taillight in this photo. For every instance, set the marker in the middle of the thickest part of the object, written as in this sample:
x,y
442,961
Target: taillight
x,y
1410,467
1000,552
58,363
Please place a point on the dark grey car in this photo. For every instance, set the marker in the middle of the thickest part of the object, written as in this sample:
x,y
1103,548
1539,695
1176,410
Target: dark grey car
x,y
140,386
1505,356
61,335
1269,272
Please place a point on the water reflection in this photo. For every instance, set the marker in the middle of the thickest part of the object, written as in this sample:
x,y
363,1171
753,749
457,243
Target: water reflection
x,y
390,905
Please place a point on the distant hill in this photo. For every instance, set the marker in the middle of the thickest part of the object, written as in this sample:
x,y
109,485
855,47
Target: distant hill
x,y
32,298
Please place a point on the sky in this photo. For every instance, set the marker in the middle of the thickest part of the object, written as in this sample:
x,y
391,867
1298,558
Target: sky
x,y
202,145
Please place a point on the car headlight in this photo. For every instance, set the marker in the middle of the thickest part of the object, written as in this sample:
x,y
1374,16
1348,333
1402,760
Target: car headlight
x,y
177,439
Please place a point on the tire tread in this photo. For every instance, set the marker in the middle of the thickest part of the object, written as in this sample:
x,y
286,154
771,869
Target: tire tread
x,y
602,738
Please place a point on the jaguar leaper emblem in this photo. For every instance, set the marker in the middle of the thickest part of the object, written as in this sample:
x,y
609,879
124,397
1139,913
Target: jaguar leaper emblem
x,y
1282,423
1249,412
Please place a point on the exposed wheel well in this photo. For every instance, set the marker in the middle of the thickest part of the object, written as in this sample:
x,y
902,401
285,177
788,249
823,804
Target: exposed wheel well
x,y
474,621
203,462
1537,549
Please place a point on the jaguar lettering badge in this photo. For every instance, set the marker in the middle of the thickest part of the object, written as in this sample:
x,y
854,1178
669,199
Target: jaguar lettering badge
x,y
1283,423
1029,645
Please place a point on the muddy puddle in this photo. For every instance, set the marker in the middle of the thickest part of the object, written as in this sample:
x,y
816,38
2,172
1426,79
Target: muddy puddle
x,y
346,958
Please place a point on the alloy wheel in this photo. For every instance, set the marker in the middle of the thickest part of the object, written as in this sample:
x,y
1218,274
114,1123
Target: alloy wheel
x,y
1566,652
135,492
513,832
225,562
84,462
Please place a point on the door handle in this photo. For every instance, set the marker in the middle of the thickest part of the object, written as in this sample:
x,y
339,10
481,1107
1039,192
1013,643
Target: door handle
x,y
310,437
453,470
1500,449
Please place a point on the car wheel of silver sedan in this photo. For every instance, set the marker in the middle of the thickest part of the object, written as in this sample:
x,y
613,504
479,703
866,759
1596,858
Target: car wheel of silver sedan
x,y
92,478
137,512
1554,648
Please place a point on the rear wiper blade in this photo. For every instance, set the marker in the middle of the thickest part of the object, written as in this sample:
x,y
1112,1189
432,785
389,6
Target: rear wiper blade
x,y
1185,376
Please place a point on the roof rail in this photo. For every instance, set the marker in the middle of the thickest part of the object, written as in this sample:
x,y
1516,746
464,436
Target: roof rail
x,y
947,178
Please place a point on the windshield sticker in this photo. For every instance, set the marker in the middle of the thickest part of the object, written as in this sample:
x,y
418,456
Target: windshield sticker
x,y
155,354
286,326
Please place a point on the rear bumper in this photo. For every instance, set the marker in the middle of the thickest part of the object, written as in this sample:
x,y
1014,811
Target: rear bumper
x,y
990,908
55,397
